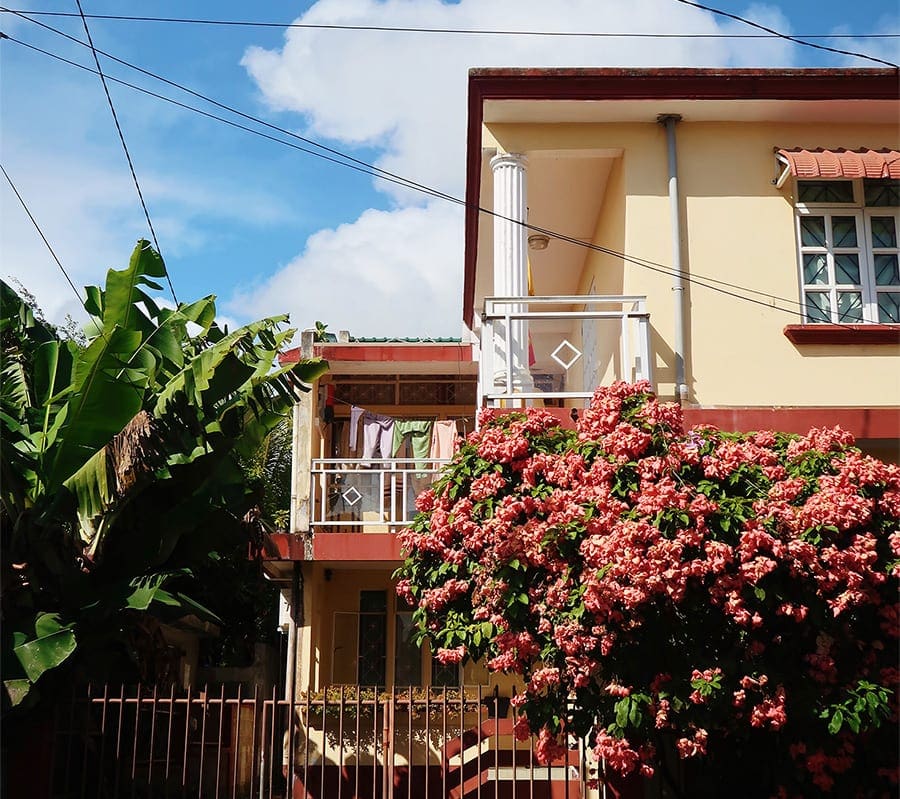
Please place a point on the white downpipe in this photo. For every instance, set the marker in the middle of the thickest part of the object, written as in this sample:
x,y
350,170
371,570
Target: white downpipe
x,y
681,389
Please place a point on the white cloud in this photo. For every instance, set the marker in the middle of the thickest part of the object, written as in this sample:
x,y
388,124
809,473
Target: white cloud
x,y
93,223
885,49
405,94
91,228
386,273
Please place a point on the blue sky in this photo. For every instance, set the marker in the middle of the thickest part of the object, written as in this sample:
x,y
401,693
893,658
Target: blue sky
x,y
272,230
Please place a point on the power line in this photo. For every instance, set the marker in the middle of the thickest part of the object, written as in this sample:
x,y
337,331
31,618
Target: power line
x,y
371,172
37,227
100,331
450,31
369,169
710,283
115,117
699,280
794,39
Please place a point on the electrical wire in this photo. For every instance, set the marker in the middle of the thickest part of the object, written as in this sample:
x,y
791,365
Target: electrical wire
x,y
710,283
452,31
37,227
373,173
115,117
370,168
794,39
101,332
699,280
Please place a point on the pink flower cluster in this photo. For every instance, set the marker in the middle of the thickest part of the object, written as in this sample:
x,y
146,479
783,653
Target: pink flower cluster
x,y
590,552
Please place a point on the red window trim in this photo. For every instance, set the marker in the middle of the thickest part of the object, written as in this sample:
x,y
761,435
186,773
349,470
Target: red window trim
x,y
842,334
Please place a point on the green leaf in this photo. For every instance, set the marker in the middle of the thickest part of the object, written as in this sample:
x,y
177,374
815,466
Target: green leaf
x,y
121,296
836,721
51,646
623,707
17,690
634,715
100,405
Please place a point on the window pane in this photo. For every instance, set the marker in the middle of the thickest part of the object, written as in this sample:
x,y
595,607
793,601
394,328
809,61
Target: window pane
x,y
442,675
849,306
815,270
343,651
825,191
818,306
373,601
843,230
846,269
883,231
408,656
372,648
889,306
886,271
812,231
885,192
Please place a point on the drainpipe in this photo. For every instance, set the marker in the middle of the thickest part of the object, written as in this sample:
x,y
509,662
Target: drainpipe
x,y
670,121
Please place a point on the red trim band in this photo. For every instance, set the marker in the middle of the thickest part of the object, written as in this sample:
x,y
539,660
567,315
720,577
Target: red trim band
x,y
862,422
383,353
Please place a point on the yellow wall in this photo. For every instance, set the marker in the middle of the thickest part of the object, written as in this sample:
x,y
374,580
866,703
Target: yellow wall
x,y
737,227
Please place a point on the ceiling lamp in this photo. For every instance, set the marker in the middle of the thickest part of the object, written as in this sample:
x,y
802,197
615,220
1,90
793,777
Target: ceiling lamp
x,y
538,241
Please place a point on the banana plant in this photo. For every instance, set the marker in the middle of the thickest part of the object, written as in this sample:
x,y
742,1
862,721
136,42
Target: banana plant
x,y
120,459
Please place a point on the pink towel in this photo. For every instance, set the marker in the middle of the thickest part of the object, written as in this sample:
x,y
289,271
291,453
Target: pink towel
x,y
444,439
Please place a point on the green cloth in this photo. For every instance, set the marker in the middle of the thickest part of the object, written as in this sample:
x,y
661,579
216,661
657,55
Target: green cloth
x,y
419,433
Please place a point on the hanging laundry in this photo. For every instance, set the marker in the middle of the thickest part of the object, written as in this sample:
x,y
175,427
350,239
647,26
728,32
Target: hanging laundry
x,y
444,439
378,435
419,434
355,415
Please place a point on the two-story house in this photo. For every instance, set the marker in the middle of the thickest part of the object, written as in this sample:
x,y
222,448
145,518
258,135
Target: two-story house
x,y
729,235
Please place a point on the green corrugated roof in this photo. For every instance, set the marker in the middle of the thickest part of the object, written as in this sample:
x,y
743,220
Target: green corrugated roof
x,y
387,340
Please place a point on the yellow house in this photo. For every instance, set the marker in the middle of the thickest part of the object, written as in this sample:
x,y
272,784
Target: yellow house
x,y
735,233
729,235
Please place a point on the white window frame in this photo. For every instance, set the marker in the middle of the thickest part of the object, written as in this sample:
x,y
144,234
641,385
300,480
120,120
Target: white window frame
x,y
867,287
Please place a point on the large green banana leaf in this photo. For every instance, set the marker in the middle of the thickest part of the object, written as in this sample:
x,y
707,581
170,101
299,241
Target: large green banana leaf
x,y
130,443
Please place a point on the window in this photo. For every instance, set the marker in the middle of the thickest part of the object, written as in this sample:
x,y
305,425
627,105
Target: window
x,y
361,645
849,256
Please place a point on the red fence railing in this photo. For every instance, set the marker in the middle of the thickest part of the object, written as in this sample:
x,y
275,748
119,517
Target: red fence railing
x,y
345,742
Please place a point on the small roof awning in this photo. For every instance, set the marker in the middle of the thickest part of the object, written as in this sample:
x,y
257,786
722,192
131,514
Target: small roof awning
x,y
841,163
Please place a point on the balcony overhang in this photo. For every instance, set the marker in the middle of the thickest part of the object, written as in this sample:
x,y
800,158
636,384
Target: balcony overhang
x,y
286,548
371,357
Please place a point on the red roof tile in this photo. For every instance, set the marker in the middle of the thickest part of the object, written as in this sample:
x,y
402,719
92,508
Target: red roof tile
x,y
832,164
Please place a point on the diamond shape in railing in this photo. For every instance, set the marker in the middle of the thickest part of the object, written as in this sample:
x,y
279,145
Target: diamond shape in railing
x,y
574,352
354,493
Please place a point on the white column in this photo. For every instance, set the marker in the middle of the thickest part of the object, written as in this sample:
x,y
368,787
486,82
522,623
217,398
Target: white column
x,y
511,267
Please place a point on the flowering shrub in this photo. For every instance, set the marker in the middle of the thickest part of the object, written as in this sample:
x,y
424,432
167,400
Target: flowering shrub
x,y
729,599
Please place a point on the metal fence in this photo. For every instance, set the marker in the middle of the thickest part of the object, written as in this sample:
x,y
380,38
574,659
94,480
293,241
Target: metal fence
x,y
345,742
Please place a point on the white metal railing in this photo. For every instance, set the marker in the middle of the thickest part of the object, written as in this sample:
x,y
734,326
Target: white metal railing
x,y
561,347
372,495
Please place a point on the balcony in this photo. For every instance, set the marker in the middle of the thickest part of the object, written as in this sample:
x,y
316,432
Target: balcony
x,y
368,496
558,349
